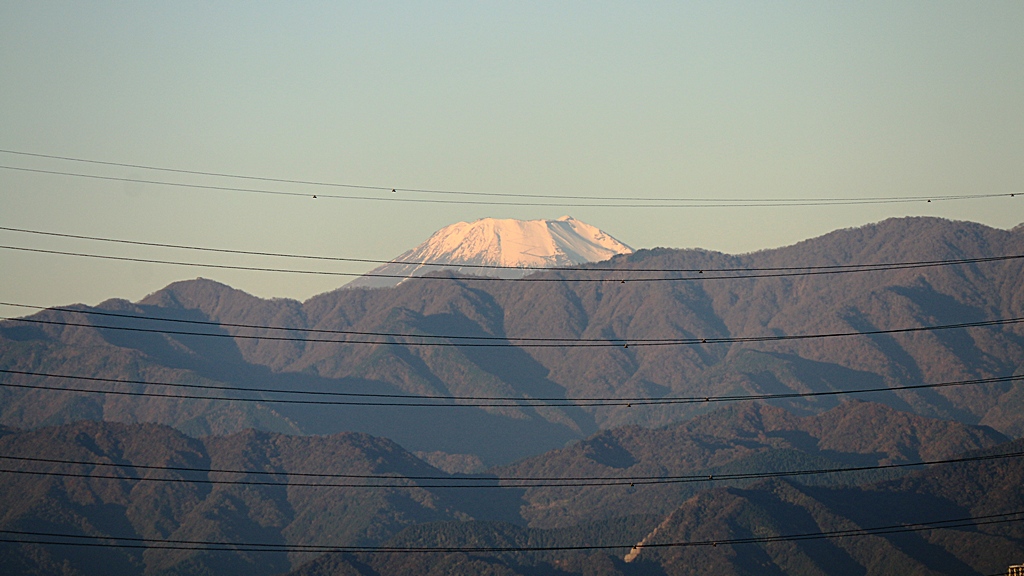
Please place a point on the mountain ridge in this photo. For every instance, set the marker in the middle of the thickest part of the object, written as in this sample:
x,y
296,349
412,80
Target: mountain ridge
x,y
570,309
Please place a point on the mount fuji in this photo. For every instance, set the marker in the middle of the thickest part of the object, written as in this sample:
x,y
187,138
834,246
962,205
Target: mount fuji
x,y
515,245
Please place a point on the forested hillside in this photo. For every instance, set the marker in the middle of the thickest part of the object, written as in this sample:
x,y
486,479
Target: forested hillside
x,y
464,337
264,503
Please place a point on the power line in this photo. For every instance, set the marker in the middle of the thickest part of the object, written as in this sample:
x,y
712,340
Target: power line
x,y
649,203
467,278
509,341
525,402
193,264
510,482
405,400
208,545
708,202
273,254
474,338
835,268
402,199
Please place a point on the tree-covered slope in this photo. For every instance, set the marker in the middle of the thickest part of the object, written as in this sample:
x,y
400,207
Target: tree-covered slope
x,y
696,301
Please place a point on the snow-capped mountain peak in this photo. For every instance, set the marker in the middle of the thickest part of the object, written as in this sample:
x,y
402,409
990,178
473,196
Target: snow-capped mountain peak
x,y
502,242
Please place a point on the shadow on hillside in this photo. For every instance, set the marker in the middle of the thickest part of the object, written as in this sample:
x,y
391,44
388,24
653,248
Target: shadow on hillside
x,y
934,405
453,429
509,364
871,508
781,373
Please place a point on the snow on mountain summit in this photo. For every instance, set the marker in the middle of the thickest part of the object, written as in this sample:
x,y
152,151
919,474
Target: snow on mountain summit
x,y
501,242
518,243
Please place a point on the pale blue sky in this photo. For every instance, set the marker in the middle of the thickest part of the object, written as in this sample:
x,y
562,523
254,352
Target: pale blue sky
x,y
711,100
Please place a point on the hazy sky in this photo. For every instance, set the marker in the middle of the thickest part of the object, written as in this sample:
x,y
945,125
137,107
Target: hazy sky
x,y
759,100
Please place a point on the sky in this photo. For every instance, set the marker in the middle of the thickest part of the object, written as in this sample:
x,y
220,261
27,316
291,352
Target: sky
x,y
707,101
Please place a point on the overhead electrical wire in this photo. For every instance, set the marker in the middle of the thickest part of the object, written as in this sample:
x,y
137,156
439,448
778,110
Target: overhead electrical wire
x,y
474,481
486,341
634,202
496,338
213,545
204,265
469,278
834,268
708,203
422,400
